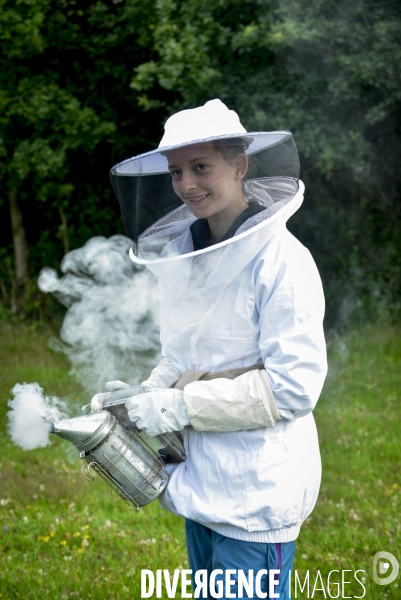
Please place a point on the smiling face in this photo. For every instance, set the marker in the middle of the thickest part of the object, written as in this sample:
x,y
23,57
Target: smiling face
x,y
209,184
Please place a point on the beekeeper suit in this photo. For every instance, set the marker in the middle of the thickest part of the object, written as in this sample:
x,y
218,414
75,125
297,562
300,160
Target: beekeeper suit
x,y
241,326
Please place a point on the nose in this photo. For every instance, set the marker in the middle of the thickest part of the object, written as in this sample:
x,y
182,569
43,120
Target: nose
x,y
187,181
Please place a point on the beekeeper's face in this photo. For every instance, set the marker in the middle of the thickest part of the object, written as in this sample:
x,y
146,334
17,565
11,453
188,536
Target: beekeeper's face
x,y
206,181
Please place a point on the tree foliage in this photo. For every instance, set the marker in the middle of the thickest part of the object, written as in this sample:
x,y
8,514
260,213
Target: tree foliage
x,y
66,113
86,84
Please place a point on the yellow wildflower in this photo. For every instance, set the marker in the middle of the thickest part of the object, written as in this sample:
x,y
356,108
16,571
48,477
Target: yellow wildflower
x,y
63,543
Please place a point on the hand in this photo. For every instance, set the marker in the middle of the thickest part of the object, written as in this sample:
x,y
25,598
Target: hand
x,y
99,400
162,376
158,411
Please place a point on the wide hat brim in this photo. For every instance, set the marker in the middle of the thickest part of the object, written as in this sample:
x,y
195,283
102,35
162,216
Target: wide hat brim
x,y
155,162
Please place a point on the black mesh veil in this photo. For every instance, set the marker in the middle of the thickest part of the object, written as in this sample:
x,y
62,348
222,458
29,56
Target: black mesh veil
x,y
144,190
143,199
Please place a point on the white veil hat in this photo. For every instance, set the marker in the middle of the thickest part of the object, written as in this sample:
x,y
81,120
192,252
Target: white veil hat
x,y
156,219
208,122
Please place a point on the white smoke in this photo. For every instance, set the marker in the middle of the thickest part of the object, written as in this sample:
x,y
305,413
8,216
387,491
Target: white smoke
x,y
110,329
30,415
109,332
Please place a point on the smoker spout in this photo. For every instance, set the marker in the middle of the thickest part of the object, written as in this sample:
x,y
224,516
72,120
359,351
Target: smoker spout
x,y
51,427
86,431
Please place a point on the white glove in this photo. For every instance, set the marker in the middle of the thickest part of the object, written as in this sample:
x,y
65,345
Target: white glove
x,y
99,400
163,375
158,411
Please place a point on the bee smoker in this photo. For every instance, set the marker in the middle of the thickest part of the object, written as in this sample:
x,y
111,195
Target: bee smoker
x,y
132,462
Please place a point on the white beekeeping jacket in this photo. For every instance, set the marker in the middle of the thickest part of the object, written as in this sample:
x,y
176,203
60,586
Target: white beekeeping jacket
x,y
255,298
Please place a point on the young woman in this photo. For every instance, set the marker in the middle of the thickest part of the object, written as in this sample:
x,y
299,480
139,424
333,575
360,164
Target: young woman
x,y
241,311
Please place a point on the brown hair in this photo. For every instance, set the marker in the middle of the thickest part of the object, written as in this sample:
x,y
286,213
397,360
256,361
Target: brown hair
x,y
230,147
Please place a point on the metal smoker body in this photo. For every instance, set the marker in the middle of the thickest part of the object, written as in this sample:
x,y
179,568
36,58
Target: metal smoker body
x,y
122,457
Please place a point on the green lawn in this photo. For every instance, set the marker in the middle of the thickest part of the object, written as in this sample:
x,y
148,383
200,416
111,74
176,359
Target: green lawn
x,y
63,537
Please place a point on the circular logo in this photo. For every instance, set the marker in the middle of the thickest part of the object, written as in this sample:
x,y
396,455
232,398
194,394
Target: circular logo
x,y
381,568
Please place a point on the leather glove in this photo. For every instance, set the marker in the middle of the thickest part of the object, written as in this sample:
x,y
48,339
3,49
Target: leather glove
x,y
158,411
99,400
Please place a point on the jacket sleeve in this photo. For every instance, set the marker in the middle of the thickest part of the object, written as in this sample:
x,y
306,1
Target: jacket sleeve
x,y
290,303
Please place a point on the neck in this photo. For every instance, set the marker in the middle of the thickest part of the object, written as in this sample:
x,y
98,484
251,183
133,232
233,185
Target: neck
x,y
222,221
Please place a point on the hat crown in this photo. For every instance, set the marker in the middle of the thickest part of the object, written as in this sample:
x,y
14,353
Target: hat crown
x,y
213,119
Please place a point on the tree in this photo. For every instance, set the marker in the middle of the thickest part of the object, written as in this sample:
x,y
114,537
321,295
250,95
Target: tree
x,y
66,113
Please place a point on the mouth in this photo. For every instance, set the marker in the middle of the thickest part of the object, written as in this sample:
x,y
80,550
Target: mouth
x,y
196,200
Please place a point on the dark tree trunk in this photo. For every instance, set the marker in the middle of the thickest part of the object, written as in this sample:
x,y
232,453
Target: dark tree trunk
x,y
19,240
64,231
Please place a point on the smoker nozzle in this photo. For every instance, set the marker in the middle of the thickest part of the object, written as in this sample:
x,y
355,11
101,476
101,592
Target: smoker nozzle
x,y
51,427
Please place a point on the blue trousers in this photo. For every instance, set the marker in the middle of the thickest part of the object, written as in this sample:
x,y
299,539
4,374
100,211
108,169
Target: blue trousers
x,y
208,550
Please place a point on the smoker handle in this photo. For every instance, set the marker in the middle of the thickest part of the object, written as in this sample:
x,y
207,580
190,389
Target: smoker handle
x,y
117,396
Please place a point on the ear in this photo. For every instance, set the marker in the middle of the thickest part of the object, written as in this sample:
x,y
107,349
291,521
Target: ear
x,y
241,165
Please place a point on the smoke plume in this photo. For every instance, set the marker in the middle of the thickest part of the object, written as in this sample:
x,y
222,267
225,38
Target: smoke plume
x,y
30,415
110,329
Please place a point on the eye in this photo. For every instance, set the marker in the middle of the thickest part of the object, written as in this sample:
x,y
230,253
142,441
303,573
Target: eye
x,y
200,167
176,173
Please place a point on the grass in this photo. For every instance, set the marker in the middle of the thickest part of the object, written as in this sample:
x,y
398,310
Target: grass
x,y
358,419
62,537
